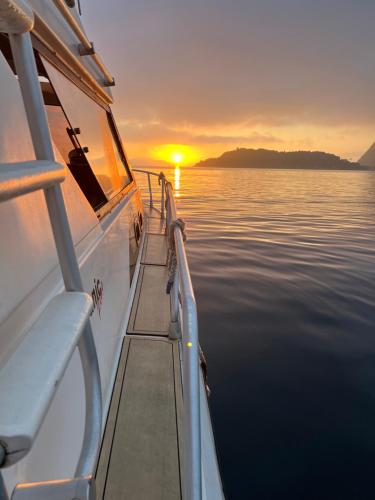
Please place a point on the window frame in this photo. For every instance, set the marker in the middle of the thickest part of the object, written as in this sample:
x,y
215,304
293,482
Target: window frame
x,y
111,202
41,50
118,143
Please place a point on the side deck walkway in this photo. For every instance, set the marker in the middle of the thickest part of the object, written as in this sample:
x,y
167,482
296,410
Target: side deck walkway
x,y
140,457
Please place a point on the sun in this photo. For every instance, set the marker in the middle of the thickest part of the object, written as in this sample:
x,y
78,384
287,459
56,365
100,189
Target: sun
x,y
177,157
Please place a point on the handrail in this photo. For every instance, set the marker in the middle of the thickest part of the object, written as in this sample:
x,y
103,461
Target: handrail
x,y
145,172
16,17
30,377
59,49
87,47
25,177
25,64
190,343
185,329
162,182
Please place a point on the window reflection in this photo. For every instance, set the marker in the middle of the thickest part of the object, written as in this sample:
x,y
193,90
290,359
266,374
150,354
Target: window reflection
x,y
95,133
66,142
177,175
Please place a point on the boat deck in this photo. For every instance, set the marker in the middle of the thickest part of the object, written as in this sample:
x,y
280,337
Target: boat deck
x,y
140,455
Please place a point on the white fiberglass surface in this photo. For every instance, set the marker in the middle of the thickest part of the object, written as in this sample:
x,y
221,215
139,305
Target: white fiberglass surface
x,y
27,250
106,276
24,256
30,277
15,138
48,11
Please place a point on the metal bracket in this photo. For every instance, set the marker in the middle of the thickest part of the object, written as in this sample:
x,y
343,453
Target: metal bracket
x,y
112,83
86,51
81,488
174,330
73,131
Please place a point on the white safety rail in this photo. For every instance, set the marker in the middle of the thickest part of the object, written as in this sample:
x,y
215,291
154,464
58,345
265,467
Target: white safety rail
x,y
162,182
48,345
30,377
86,48
28,176
184,313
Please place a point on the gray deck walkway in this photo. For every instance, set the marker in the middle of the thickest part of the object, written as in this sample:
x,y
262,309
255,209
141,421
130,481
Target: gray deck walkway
x,y
155,250
139,459
140,453
155,224
150,313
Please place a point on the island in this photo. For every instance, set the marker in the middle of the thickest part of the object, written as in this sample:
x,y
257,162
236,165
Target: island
x,y
266,158
368,159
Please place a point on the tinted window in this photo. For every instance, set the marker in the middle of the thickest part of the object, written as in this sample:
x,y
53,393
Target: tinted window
x,y
96,135
67,143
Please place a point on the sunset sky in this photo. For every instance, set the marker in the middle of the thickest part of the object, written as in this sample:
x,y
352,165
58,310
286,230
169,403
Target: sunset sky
x,y
202,77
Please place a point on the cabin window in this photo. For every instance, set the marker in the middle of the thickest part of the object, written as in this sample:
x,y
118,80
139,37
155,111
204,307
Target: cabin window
x,y
64,137
68,145
96,135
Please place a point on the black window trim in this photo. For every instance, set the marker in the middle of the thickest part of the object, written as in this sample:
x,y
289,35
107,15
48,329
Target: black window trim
x,y
74,138
41,49
117,139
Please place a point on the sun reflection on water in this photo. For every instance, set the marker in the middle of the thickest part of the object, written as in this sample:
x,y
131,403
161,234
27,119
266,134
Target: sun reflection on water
x,y
177,176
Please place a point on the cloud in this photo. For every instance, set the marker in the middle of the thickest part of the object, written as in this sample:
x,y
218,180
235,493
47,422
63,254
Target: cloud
x,y
270,66
156,132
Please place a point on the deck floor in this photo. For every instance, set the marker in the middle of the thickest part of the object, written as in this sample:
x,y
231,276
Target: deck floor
x,y
155,250
140,452
139,459
150,313
155,225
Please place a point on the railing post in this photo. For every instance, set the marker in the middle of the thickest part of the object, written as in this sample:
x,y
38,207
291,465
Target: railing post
x,y
150,189
162,197
174,326
33,101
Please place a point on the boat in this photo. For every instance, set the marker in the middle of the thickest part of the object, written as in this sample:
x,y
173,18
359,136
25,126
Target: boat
x,y
103,392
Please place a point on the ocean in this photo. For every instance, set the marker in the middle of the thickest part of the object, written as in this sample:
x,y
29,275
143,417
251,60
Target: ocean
x,y
283,268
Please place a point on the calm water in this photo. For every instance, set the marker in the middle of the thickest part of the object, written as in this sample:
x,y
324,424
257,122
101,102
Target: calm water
x,y
283,265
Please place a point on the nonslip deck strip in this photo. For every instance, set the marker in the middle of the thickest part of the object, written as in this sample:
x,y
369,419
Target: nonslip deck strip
x,y
140,453
151,306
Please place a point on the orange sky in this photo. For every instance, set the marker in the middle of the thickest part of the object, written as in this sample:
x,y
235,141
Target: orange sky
x,y
206,76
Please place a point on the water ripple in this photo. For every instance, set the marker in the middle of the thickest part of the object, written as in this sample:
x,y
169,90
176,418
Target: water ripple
x,y
283,268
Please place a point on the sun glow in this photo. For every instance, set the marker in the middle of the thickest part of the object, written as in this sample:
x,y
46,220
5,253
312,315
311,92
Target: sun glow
x,y
177,158
177,154
177,176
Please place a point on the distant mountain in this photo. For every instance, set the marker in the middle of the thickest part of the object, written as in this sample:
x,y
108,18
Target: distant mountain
x,y
265,158
368,159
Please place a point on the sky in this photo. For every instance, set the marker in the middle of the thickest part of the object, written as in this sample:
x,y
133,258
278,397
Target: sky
x,y
200,77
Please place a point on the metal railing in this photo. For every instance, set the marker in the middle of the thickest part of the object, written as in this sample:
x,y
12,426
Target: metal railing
x,y
51,41
184,314
86,48
162,182
17,20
